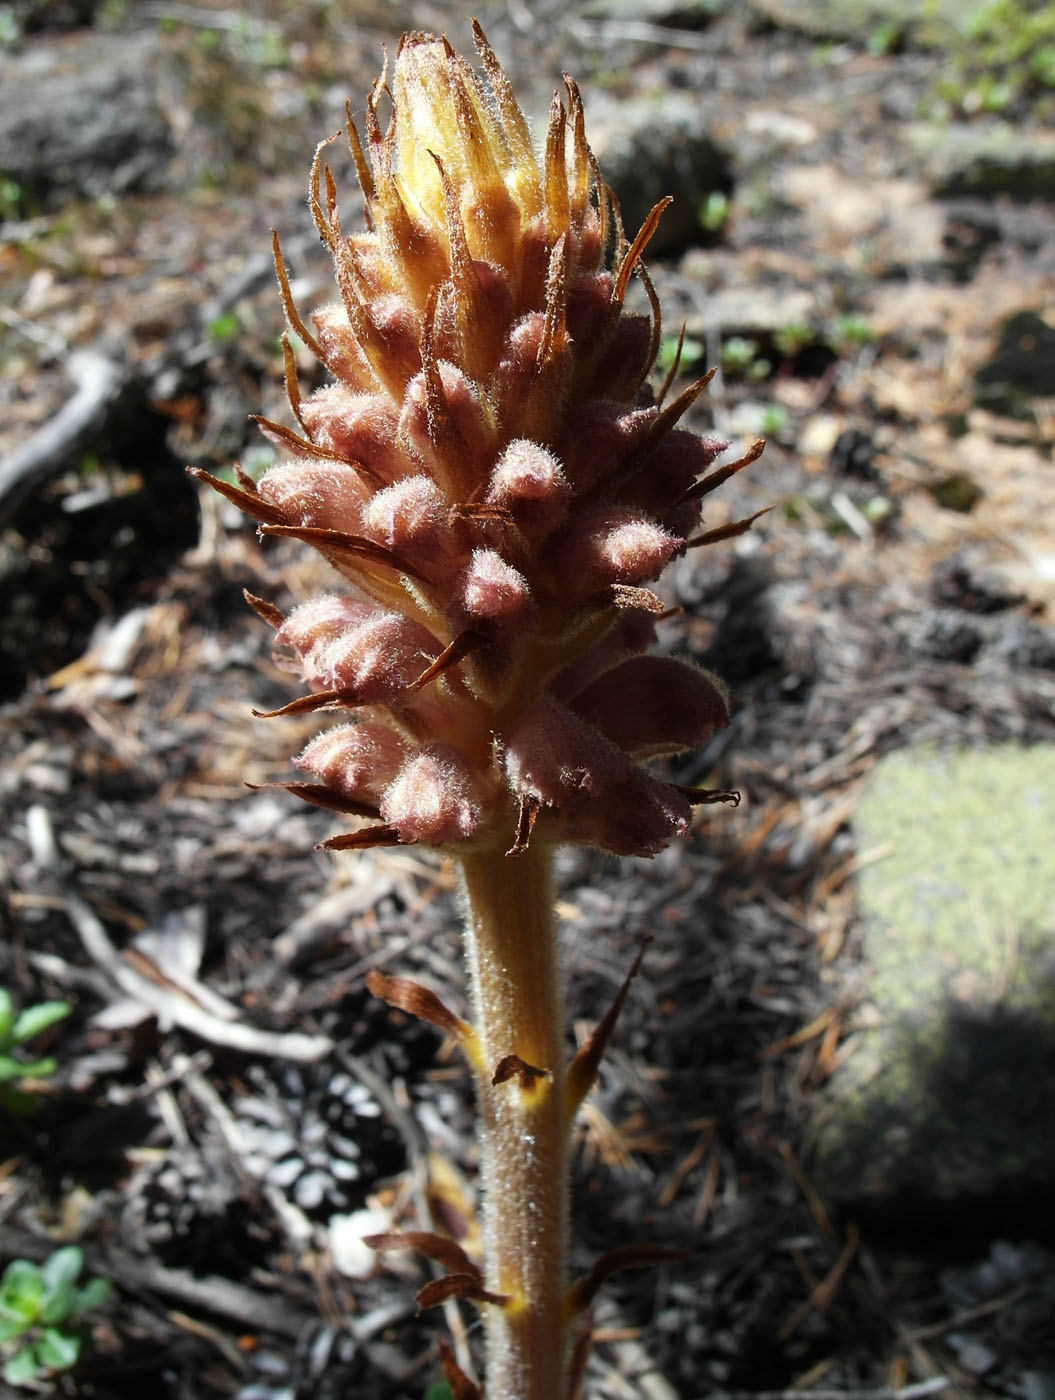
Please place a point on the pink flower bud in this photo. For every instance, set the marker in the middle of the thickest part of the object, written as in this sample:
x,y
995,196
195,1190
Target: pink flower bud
x,y
318,493
600,437
638,817
361,427
597,796
632,634
623,363
452,437
527,481
397,333
493,303
590,310
412,518
554,758
492,591
342,352
615,546
311,627
672,467
356,760
652,705
377,658
436,798
517,375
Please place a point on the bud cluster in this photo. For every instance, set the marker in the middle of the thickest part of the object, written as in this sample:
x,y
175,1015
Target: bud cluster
x,y
494,481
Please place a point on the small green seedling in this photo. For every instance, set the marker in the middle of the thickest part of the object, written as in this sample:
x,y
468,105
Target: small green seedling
x,y
713,212
849,333
692,352
40,1311
225,328
15,1029
793,338
741,356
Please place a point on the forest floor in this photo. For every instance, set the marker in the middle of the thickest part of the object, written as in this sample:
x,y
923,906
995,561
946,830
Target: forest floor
x,y
888,327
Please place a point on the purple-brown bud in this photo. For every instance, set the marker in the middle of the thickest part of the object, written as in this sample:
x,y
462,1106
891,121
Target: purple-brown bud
x,y
357,761
436,797
494,482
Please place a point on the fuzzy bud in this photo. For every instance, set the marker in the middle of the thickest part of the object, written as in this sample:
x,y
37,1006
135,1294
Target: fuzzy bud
x,y
413,518
360,427
527,481
492,591
323,494
356,761
616,547
493,480
654,705
311,627
377,658
435,799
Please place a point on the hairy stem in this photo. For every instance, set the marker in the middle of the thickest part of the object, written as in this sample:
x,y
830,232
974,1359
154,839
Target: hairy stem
x,y
511,950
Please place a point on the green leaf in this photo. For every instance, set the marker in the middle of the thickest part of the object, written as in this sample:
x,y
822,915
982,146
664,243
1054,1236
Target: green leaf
x,y
21,1288
63,1267
10,1069
58,1350
16,1102
714,211
22,1367
7,1015
59,1303
38,1018
793,338
12,1326
439,1390
224,328
34,1069
93,1295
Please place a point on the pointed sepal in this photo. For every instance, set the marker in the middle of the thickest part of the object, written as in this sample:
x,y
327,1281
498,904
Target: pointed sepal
x,y
364,840
727,532
627,1256
320,796
407,995
579,1355
461,1387
439,1248
441,1290
583,1069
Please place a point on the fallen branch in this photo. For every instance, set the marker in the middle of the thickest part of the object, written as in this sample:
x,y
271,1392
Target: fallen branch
x,y
100,383
170,1006
213,1294
174,1008
917,1391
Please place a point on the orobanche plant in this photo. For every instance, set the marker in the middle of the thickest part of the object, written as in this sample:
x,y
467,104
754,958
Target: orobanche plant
x,y
496,487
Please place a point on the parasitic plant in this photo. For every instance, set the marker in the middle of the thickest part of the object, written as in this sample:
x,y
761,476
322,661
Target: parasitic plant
x,y
496,487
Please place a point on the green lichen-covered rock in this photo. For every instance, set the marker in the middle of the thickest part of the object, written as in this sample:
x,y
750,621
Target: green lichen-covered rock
x,y
677,14
949,1096
933,24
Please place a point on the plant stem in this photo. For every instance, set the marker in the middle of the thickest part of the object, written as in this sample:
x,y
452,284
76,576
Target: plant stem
x,y
511,951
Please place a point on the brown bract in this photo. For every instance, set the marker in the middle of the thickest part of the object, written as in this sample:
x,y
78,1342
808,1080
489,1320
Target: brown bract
x,y
494,481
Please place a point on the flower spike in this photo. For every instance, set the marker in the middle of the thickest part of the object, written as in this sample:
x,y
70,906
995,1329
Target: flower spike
x,y
496,490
